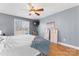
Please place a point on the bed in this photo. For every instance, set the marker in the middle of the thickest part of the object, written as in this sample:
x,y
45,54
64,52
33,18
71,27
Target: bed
x,y
20,51
23,45
17,46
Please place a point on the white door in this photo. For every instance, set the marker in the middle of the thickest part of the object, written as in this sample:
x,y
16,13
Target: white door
x,y
54,35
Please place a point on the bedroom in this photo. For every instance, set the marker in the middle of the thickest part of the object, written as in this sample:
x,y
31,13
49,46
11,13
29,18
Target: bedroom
x,y
57,23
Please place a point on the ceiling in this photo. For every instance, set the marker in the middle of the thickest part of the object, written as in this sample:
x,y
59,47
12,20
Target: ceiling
x,y
21,9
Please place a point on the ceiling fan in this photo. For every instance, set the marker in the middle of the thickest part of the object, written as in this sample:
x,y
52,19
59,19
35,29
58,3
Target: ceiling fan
x,y
34,10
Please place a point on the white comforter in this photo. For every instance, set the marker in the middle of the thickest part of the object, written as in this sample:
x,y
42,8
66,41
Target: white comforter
x,y
20,51
20,40
17,46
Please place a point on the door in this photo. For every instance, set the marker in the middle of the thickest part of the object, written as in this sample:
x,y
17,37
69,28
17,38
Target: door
x,y
54,35
53,32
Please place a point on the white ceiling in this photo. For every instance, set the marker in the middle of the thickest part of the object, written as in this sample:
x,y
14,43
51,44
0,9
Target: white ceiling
x,y
21,9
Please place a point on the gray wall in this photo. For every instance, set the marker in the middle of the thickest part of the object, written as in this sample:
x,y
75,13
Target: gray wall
x,y
68,24
7,24
32,27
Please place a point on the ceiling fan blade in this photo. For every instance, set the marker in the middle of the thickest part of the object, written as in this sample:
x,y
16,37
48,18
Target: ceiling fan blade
x,y
41,9
36,9
37,13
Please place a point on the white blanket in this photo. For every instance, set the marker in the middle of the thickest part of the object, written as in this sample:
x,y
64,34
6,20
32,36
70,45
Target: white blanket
x,y
18,46
20,51
20,40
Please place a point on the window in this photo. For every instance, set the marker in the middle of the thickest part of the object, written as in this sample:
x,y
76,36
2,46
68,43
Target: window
x,y
21,26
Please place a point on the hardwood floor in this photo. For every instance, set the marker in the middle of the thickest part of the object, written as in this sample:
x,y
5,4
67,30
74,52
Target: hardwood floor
x,y
60,50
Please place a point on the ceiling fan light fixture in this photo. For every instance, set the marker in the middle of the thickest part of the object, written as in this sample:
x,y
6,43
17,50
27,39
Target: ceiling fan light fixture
x,y
35,10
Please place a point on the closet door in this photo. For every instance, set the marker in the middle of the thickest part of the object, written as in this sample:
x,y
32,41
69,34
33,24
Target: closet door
x,y
53,32
54,35
21,27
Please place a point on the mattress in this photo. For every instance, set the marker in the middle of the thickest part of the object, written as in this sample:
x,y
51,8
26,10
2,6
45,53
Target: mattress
x,y
20,51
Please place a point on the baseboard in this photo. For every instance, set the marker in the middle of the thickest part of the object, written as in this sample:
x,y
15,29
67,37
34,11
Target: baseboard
x,y
68,45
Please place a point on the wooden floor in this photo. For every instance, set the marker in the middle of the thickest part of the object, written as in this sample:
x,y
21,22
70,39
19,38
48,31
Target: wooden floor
x,y
60,50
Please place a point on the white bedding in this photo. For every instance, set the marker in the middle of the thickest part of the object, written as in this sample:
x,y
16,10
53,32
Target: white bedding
x,y
20,51
17,45
20,40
